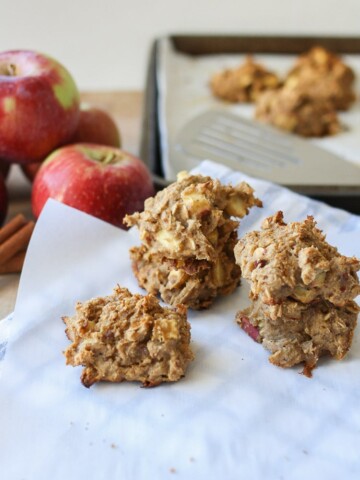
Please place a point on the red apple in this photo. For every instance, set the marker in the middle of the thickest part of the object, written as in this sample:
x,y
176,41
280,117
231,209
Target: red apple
x,y
3,200
103,181
39,106
4,168
30,170
95,126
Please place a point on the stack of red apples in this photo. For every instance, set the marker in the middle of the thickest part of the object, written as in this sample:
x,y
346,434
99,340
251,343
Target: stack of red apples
x,y
70,152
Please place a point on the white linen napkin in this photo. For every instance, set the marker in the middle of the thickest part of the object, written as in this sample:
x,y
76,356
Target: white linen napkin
x,y
234,415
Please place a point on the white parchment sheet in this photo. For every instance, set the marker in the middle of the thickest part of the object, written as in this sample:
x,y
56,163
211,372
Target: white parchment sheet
x,y
234,416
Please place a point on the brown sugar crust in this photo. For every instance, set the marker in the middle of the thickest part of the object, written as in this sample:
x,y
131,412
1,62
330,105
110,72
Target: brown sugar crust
x,y
243,84
128,337
323,75
188,235
296,110
302,333
295,261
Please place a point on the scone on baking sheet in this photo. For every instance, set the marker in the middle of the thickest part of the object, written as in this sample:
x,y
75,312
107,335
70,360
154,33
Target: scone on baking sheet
x,y
188,233
323,75
244,83
128,337
297,111
302,292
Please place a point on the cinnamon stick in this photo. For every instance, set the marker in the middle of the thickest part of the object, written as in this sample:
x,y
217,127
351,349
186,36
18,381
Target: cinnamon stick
x,y
12,227
17,242
14,265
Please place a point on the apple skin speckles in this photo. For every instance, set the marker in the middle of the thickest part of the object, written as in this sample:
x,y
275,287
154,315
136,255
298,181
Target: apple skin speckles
x,y
9,104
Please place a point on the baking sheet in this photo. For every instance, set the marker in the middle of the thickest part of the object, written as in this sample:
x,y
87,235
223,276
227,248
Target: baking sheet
x,y
233,416
183,93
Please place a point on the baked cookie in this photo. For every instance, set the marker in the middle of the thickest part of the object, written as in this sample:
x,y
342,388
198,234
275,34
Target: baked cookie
x,y
302,333
243,84
302,292
323,75
188,234
189,281
294,261
296,110
128,337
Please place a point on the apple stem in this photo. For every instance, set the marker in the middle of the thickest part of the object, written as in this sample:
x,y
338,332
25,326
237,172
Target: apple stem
x,y
9,70
109,158
104,157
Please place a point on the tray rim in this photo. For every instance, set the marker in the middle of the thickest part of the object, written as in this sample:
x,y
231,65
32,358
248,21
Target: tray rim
x,y
199,44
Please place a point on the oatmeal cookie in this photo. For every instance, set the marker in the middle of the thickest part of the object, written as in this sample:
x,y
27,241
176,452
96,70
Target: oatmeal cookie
x,y
324,76
302,333
297,111
128,337
188,235
294,261
187,281
302,292
243,84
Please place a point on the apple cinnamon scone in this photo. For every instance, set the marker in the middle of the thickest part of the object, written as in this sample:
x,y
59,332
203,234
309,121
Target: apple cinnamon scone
x,y
297,111
188,234
128,337
302,292
244,83
323,75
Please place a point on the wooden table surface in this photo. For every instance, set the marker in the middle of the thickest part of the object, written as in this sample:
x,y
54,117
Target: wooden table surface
x,y
126,109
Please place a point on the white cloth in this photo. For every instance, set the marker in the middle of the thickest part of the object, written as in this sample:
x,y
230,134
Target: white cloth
x,y
234,416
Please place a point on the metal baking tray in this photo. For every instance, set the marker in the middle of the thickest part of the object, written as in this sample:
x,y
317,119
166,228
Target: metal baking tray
x,y
195,45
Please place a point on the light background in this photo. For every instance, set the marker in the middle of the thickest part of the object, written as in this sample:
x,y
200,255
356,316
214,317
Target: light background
x,y
105,44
